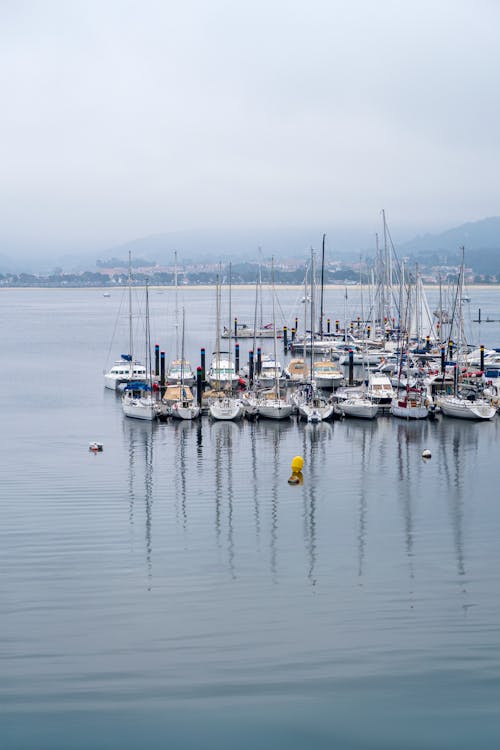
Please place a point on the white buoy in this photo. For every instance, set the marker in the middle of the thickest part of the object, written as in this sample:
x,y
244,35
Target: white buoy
x,y
426,453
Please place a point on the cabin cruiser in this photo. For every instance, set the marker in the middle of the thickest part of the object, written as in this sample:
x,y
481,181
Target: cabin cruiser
x,y
124,370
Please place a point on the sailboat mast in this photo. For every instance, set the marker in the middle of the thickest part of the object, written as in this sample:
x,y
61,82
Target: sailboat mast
x,y
276,375
261,322
230,310
182,354
130,332
321,312
312,312
176,307
148,338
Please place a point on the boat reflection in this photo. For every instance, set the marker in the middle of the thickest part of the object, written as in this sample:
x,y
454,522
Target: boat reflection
x,y
140,437
224,434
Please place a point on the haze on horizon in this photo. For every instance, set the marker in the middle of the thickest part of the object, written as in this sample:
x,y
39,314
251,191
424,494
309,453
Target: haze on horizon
x,y
125,119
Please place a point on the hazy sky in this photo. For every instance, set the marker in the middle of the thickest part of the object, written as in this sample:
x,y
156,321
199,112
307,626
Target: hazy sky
x,y
124,119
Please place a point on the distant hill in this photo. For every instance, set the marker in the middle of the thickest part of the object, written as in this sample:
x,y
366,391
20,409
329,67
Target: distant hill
x,y
211,245
475,235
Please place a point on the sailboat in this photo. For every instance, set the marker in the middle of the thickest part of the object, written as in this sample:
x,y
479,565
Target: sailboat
x,y
358,406
473,407
185,407
127,368
311,405
138,400
179,370
410,403
271,405
222,374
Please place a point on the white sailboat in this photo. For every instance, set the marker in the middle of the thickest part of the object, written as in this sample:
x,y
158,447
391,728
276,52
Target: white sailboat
x,y
185,407
139,400
179,369
472,407
127,368
359,407
222,375
455,406
272,405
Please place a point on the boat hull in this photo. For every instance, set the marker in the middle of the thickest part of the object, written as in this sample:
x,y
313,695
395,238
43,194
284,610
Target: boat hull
x,y
226,409
274,410
137,410
361,410
409,412
471,410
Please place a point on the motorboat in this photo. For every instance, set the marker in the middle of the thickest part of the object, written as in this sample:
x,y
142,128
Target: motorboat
x,y
180,370
270,369
222,373
326,374
380,390
297,370
124,370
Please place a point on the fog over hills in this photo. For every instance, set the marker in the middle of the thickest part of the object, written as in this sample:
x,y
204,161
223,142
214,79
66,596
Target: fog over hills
x,y
477,235
479,238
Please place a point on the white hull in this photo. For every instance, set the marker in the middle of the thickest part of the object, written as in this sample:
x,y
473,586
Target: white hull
x,y
139,409
316,413
250,406
274,409
226,409
328,383
463,409
409,411
181,410
358,407
180,371
188,380
122,372
247,333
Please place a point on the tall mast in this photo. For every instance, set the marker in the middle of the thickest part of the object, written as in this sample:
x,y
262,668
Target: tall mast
x,y
182,354
312,314
148,338
230,326
261,322
176,307
130,338
321,312
388,270
276,375
217,326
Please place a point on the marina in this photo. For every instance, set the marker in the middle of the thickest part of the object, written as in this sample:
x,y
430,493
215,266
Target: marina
x,y
177,570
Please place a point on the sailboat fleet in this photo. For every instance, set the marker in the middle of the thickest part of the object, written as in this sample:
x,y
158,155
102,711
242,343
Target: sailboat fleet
x,y
396,359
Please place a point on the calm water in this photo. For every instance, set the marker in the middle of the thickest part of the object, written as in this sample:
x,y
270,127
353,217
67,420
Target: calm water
x,y
174,591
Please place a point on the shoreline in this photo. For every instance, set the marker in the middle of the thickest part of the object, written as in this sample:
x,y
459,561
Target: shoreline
x,y
237,287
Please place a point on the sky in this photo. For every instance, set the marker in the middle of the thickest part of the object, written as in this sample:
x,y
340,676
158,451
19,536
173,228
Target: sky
x,y
124,119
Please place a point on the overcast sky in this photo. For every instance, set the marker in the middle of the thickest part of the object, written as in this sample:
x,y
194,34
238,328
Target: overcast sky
x,y
122,119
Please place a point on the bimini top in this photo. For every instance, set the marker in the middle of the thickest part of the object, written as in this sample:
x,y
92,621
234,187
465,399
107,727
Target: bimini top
x,y
126,357
137,385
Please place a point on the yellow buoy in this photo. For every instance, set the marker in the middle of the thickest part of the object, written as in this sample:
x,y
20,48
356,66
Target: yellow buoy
x,y
297,464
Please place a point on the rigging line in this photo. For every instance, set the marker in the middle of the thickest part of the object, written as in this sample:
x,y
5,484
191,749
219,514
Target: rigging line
x,y
124,291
